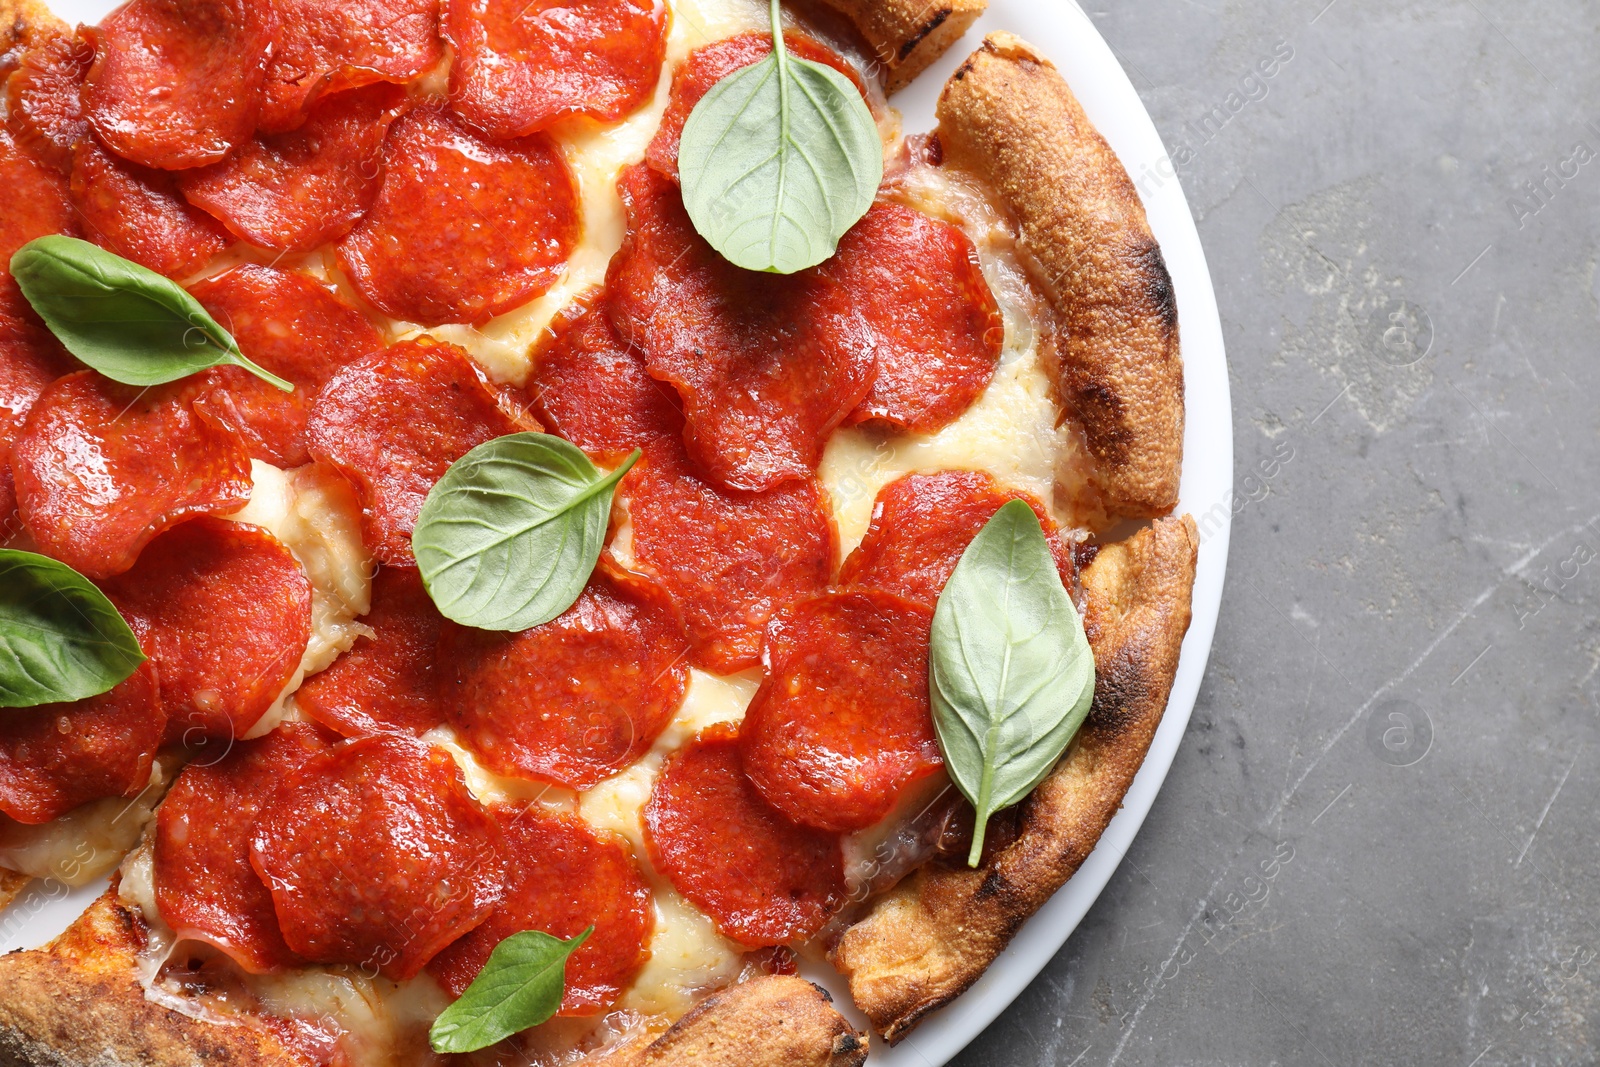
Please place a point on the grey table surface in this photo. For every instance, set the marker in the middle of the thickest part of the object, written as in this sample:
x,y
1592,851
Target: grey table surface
x,y
1376,845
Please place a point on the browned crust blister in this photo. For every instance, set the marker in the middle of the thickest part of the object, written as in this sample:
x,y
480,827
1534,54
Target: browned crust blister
x,y
1009,117
77,1003
12,883
22,24
907,35
933,935
776,1021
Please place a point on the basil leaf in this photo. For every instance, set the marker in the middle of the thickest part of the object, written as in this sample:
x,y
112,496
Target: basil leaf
x,y
508,537
60,638
1010,670
125,321
520,986
778,160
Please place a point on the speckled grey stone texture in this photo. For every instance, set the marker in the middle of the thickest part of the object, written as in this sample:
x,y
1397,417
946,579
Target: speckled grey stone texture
x,y
1377,843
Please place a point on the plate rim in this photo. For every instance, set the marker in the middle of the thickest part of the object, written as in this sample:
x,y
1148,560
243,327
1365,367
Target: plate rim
x,y
1068,37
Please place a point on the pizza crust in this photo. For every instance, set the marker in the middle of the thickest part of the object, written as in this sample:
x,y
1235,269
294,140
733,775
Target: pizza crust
x,y
932,936
907,35
12,883
77,1003
775,1021
1008,116
22,23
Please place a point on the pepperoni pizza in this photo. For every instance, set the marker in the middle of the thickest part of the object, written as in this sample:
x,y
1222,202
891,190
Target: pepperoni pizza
x,y
325,803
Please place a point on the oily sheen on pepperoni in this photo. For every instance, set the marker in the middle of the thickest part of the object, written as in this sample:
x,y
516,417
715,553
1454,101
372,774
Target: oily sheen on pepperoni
x,y
228,608
729,559
593,390
386,683
917,281
577,699
27,367
37,204
377,856
842,723
205,887
462,229
101,468
763,879
709,64
921,523
137,213
562,877
327,46
393,422
296,328
303,188
177,83
521,66
57,756
44,112
767,365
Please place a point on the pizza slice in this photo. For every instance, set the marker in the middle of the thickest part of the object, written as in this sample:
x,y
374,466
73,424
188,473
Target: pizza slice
x,y
343,797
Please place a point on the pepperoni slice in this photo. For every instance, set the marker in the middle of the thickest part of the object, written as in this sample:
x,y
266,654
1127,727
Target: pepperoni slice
x,y
177,83
296,328
394,421
462,229
56,756
729,559
521,66
328,46
44,112
37,203
593,390
562,877
761,878
842,723
386,683
137,213
918,283
709,64
377,856
228,608
921,523
767,365
27,367
206,889
303,188
101,468
577,699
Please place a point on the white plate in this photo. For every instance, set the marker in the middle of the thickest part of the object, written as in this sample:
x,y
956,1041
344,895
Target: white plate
x,y
1062,31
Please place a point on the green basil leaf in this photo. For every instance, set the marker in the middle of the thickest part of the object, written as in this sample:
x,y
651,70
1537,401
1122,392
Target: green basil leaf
x,y
1010,670
521,985
125,321
60,638
508,537
778,160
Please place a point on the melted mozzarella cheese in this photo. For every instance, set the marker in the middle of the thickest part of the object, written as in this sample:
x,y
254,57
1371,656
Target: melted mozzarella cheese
x,y
87,842
1011,432
686,952
492,788
595,154
315,513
